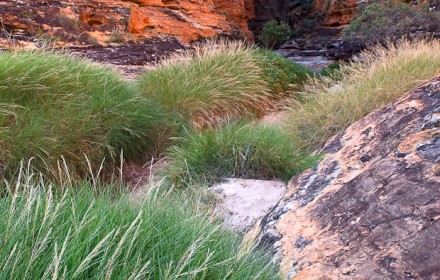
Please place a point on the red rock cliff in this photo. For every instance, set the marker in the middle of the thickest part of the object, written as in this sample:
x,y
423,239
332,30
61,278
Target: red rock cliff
x,y
188,20
341,12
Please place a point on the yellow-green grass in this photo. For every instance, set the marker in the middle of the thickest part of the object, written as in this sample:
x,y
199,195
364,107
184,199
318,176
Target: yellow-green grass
x,y
282,75
382,74
55,107
75,232
219,81
235,150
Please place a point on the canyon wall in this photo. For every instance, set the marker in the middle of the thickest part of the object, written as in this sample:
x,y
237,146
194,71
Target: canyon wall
x,y
340,12
267,10
336,12
103,20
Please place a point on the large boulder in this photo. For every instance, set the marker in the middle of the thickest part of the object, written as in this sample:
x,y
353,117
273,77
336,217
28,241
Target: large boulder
x,y
371,208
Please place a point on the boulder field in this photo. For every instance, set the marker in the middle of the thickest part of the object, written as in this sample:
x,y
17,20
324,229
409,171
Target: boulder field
x,y
371,208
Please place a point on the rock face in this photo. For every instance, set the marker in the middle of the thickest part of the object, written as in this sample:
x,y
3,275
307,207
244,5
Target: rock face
x,y
371,208
267,10
242,202
336,12
99,20
341,12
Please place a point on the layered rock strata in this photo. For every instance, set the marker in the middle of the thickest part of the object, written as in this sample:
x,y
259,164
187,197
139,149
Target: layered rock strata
x,y
84,22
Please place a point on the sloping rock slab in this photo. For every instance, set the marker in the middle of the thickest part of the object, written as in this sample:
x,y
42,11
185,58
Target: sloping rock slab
x,y
371,208
242,202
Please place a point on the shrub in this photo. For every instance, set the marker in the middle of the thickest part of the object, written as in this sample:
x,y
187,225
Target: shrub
x,y
45,40
281,74
235,150
390,19
70,24
117,36
382,74
274,33
216,82
78,234
55,106
330,70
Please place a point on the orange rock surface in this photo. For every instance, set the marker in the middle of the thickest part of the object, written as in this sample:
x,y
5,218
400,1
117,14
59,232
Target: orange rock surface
x,y
188,20
371,208
338,12
341,12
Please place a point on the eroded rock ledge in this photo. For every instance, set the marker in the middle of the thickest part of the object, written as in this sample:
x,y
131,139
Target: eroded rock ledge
x,y
80,22
371,208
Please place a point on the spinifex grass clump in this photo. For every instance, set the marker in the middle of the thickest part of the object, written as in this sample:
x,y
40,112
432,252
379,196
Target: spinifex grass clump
x,y
281,74
54,106
221,80
79,234
381,75
217,81
235,150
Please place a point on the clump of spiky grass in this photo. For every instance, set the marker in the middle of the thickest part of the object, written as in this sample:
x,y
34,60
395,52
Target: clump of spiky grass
x,y
379,76
54,106
235,150
77,232
216,81
282,75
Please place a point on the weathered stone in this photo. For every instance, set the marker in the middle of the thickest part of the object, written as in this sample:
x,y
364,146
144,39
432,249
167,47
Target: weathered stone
x,y
242,202
341,12
187,20
337,12
371,208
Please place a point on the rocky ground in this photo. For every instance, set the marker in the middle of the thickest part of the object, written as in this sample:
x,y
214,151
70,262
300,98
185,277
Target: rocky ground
x,y
132,58
370,209
242,202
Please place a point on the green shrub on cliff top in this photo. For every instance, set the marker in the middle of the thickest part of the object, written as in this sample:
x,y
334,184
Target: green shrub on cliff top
x,y
390,19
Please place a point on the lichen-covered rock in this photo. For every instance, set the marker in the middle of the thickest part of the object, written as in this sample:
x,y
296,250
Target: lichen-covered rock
x,y
371,208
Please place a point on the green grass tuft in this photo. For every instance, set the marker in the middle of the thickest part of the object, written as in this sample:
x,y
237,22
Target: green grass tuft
x,y
281,74
235,150
221,81
78,234
331,104
218,81
53,105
